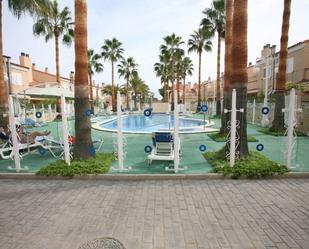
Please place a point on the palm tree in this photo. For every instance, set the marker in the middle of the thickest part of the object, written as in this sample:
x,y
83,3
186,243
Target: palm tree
x,y
179,54
199,42
83,146
112,51
215,19
278,123
127,69
139,88
187,69
55,24
172,43
227,62
239,75
108,89
18,8
94,66
160,69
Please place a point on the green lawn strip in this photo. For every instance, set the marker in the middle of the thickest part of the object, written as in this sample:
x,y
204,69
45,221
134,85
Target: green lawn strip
x,y
218,137
96,165
268,131
255,165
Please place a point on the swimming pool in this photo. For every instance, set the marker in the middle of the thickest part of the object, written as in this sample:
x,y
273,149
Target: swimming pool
x,y
156,122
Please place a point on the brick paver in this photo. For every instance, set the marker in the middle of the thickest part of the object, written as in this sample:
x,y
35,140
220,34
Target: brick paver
x,y
178,214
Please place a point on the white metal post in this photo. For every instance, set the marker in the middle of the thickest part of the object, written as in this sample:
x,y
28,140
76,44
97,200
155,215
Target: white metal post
x,y
253,111
34,112
233,129
43,113
14,134
65,131
265,121
291,112
50,112
176,135
119,133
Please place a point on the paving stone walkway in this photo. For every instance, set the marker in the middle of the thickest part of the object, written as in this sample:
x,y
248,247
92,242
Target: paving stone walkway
x,y
178,214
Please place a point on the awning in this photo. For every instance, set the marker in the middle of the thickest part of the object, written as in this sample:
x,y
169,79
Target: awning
x,y
47,92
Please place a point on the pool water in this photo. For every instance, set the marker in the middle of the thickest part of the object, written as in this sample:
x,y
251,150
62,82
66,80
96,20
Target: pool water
x,y
156,122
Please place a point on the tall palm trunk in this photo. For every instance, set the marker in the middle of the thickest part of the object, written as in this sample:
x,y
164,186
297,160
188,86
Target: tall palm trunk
x,y
56,33
172,79
127,93
113,89
184,90
239,77
218,105
199,82
84,146
165,84
4,121
278,123
228,64
177,79
91,93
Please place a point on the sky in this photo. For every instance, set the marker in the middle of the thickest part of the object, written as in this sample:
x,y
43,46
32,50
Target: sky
x,y
141,24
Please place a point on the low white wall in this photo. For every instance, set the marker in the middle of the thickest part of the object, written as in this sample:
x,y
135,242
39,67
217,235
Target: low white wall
x,y
160,107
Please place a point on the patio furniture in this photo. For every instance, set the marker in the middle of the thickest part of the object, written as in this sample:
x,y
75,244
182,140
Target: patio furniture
x,y
163,143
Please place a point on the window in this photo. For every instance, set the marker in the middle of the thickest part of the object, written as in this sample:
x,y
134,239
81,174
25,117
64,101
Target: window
x,y
290,65
16,78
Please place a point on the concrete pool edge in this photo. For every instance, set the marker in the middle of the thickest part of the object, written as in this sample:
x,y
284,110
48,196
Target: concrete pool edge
x,y
141,177
190,130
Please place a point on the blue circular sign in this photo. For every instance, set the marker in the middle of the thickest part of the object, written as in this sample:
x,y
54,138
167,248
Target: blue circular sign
x,y
202,147
38,114
88,112
91,151
265,110
41,151
204,108
148,149
147,112
260,147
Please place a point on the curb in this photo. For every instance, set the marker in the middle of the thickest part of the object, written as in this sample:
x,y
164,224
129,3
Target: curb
x,y
143,177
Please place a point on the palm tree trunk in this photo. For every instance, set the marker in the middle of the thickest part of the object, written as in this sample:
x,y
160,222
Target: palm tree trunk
x,y
165,85
91,94
228,65
56,33
172,79
178,93
113,89
84,146
218,105
184,90
239,77
278,123
199,82
4,120
127,95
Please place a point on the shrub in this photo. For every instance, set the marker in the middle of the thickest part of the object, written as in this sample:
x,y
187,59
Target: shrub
x,y
96,165
255,165
270,131
219,137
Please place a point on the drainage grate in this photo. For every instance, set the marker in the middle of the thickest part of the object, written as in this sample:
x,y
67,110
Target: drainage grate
x,y
103,243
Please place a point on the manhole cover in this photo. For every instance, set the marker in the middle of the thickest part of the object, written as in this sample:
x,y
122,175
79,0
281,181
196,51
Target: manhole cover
x,y
103,243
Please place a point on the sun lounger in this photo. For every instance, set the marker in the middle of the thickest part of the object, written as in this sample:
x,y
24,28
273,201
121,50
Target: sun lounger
x,y
163,143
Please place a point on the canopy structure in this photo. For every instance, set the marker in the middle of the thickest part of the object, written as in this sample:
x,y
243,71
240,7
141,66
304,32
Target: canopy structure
x,y
43,92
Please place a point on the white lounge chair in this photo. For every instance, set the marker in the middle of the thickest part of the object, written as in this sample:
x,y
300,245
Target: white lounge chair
x,y
163,147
